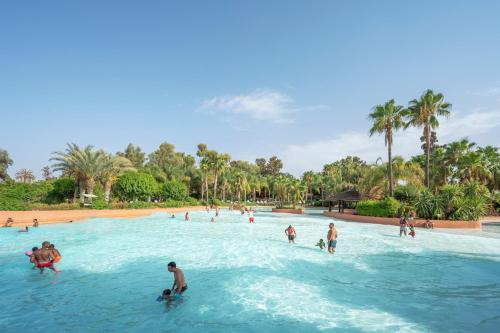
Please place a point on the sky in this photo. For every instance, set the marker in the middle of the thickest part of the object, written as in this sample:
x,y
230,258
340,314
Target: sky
x,y
296,79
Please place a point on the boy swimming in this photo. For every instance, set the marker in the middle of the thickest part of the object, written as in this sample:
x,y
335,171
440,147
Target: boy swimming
x,y
321,244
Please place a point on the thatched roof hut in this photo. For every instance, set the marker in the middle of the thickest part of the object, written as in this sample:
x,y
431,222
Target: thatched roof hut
x,y
342,197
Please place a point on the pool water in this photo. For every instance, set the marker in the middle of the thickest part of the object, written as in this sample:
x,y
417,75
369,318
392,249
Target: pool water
x,y
246,277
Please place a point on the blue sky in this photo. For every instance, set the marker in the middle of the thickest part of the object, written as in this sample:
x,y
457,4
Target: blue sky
x,y
256,78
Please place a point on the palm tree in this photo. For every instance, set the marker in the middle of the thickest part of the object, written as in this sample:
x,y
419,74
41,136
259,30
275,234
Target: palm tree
x,y
25,176
387,118
218,164
424,113
491,159
113,167
85,165
205,168
308,178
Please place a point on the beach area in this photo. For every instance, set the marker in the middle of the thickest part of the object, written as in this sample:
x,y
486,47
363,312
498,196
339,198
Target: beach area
x,y
23,218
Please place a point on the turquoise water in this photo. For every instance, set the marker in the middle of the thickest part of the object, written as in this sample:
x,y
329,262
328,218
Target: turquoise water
x,y
246,277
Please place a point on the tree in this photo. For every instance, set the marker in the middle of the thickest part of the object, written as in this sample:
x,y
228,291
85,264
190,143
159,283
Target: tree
x,y
25,176
134,154
175,190
85,165
218,164
136,186
5,162
424,113
46,173
113,166
387,118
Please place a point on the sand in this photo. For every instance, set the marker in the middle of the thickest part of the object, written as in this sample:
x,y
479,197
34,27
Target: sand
x,y
23,218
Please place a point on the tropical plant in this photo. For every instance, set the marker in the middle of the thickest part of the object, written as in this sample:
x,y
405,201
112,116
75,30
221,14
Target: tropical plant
x,y
5,162
386,119
134,154
424,113
136,186
113,166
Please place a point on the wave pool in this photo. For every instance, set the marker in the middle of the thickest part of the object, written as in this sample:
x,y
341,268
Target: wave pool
x,y
246,277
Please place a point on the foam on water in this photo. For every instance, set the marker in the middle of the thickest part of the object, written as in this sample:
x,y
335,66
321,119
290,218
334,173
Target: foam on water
x,y
246,277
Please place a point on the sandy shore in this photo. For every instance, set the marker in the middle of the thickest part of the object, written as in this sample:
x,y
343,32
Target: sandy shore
x,y
22,218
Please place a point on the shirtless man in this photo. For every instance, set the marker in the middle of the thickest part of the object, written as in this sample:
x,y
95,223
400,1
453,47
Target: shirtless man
x,y
290,232
179,285
332,238
42,258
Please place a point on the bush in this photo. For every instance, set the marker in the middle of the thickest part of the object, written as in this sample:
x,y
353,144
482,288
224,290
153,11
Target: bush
x,y
17,196
174,190
467,201
63,189
190,201
388,207
407,194
136,186
60,206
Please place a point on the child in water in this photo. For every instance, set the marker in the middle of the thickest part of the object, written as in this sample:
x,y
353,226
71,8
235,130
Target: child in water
x,y
321,244
166,296
412,230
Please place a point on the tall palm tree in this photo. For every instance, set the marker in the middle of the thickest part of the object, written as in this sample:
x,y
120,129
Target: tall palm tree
x,y
25,176
205,168
424,113
113,167
218,164
387,118
308,178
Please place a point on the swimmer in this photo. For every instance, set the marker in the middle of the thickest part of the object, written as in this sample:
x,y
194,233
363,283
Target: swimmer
x,y
9,222
212,219
166,296
290,232
54,254
31,255
412,230
25,229
321,244
402,225
179,285
173,216
35,223
42,258
217,211
186,217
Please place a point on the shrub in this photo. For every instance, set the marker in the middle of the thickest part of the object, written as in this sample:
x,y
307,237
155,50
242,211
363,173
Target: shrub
x,y
141,204
407,194
388,207
467,201
63,189
136,186
17,196
174,190
60,206
190,201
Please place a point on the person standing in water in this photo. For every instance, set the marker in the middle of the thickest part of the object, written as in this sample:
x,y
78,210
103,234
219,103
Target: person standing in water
x,y
332,238
186,217
290,232
402,225
180,284
250,216
42,258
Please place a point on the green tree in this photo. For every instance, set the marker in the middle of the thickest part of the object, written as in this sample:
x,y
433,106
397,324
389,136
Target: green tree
x,y
134,154
136,186
175,190
25,176
386,119
113,167
424,113
5,162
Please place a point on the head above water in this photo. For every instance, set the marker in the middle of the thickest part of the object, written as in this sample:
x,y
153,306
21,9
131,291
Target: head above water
x,y
45,244
331,225
34,249
171,266
52,246
166,292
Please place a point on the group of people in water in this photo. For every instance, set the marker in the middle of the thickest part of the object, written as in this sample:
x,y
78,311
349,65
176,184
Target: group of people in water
x,y
10,222
409,222
44,257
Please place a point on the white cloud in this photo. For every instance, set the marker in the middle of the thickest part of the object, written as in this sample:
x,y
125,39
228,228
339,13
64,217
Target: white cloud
x,y
262,104
312,156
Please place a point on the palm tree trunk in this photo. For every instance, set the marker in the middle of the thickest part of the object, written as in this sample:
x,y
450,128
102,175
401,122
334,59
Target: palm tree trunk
x,y
90,188
427,134
202,188
254,195
389,168
81,185
224,193
206,187
107,190
215,188
75,193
